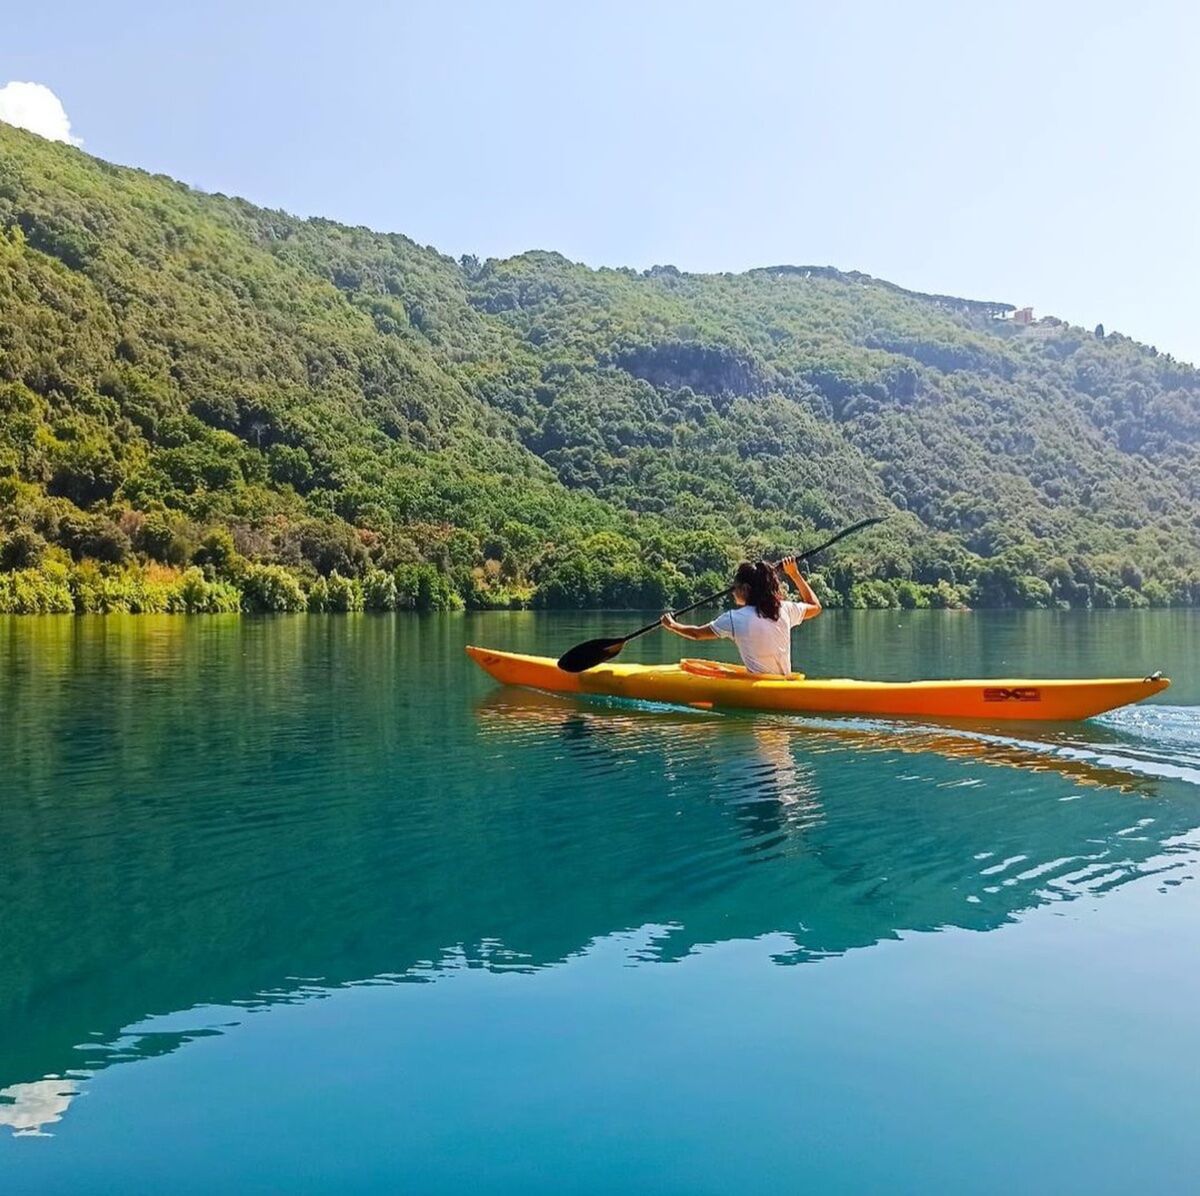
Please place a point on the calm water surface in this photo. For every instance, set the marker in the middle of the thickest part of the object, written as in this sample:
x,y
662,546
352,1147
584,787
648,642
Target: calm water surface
x,y
308,904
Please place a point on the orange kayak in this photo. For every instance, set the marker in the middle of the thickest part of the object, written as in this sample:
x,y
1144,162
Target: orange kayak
x,y
707,683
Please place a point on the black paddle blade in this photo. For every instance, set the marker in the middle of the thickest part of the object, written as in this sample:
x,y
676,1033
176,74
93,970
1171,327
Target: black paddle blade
x,y
588,655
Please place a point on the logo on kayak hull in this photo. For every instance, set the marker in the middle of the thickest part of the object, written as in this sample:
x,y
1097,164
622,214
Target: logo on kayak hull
x,y
1012,695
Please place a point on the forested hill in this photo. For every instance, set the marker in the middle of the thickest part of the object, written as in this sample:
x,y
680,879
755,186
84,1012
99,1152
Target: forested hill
x,y
206,405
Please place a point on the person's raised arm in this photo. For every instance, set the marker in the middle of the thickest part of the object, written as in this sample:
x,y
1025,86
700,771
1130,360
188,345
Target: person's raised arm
x,y
807,595
686,630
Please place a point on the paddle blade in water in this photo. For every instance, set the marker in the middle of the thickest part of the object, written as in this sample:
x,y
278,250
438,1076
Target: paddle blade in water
x,y
588,655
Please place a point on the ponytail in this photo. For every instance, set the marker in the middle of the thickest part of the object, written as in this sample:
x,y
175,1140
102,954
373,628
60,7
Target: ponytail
x,y
762,585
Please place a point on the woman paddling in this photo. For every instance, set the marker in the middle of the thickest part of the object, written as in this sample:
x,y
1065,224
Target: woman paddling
x,y
761,624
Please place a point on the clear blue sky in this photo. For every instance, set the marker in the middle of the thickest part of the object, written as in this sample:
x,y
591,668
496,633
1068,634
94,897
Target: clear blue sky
x,y
1041,154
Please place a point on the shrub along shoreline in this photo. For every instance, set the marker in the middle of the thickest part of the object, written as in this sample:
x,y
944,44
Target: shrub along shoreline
x,y
217,582
56,588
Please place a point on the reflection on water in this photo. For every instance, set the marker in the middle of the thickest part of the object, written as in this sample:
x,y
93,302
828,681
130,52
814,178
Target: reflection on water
x,y
29,1108
911,836
207,814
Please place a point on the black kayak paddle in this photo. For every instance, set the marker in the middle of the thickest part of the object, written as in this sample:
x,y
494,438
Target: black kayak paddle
x,y
593,652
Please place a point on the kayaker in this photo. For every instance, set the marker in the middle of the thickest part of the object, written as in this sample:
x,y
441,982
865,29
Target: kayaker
x,y
761,623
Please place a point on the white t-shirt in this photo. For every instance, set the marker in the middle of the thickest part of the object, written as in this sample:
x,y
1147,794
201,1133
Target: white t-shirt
x,y
765,644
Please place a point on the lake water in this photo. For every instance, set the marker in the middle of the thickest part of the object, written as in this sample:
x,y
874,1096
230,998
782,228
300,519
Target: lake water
x,y
311,904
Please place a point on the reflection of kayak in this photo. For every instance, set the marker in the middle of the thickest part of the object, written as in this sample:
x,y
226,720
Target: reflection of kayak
x,y
1084,761
710,683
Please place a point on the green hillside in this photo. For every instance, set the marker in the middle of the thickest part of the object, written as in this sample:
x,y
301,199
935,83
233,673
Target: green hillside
x,y
206,405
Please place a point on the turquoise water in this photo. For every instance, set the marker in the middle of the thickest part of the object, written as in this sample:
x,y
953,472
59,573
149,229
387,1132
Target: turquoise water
x,y
310,904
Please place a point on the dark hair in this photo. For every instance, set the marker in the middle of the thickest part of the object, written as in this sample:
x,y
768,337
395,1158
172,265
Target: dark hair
x,y
763,586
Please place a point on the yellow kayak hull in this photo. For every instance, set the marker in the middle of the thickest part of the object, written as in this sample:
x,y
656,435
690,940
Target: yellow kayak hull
x,y
710,684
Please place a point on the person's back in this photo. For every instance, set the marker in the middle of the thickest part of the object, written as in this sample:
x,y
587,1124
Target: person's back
x,y
761,623
765,645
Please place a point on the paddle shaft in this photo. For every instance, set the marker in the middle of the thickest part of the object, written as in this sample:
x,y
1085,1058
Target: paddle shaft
x,y
708,599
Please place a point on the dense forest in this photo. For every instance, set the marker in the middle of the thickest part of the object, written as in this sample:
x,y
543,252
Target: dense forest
x,y
209,406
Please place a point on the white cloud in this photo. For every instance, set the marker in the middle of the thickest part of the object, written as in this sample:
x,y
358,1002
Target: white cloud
x,y
35,107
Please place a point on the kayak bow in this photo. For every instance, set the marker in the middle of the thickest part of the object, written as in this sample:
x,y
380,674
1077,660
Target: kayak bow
x,y
708,683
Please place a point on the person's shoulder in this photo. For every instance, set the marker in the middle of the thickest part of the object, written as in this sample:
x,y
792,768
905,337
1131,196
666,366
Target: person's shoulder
x,y
733,619
723,622
796,612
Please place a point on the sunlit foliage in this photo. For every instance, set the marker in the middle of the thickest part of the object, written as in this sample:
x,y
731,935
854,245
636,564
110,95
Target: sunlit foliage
x,y
207,406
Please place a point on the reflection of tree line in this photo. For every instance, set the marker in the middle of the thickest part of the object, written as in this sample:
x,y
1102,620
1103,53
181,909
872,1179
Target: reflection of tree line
x,y
400,829
894,854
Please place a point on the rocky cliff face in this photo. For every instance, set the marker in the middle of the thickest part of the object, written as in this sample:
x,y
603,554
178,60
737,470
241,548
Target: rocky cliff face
x,y
713,370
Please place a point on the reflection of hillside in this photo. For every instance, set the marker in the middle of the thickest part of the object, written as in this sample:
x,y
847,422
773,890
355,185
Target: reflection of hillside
x,y
304,810
902,836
